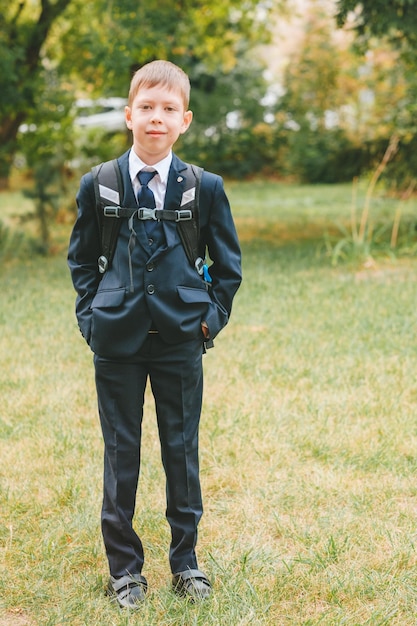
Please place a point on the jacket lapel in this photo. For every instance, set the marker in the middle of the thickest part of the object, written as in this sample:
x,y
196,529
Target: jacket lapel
x,y
129,199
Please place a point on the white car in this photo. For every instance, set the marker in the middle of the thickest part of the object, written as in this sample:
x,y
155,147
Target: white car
x,y
106,113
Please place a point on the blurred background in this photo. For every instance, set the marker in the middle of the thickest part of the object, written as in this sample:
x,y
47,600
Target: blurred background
x,y
312,91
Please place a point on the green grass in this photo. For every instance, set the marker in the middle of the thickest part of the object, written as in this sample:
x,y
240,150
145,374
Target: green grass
x,y
308,439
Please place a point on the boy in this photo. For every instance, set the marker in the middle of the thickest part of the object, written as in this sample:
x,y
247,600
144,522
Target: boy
x,y
149,315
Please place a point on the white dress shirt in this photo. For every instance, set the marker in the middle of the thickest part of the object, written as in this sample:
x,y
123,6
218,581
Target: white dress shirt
x,y
158,184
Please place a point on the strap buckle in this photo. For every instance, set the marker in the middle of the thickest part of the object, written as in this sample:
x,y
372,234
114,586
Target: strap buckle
x,y
112,211
103,264
183,215
199,265
147,214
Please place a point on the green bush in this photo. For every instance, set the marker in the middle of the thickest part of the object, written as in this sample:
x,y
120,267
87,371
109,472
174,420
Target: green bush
x,y
238,153
325,156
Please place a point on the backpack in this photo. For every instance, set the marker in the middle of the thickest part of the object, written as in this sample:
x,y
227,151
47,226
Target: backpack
x,y
108,188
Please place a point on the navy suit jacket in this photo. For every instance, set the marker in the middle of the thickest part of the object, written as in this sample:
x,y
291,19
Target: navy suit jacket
x,y
167,290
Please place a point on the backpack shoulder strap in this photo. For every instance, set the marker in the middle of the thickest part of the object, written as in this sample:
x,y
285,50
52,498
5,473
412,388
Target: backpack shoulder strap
x,y
108,189
189,230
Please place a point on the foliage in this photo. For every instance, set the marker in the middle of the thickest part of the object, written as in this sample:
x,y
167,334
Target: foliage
x,y
50,51
312,76
386,34
24,29
93,48
325,156
46,147
343,105
320,108
366,238
396,19
338,109
205,38
401,171
212,42
228,134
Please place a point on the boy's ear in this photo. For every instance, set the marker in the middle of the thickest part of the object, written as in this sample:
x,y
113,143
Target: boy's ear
x,y
188,118
128,117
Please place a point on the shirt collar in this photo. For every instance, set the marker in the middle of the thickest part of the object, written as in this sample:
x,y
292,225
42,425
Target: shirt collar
x,y
136,165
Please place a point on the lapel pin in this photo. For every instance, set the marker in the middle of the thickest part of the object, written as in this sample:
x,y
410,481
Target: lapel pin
x,y
180,179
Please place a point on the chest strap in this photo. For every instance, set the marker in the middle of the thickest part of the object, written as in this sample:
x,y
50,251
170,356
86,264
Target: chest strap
x,y
149,214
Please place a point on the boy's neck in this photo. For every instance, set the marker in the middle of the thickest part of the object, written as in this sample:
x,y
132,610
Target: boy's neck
x,y
149,159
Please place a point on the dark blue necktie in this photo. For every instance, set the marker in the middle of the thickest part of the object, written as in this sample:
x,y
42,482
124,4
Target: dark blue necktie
x,y
146,197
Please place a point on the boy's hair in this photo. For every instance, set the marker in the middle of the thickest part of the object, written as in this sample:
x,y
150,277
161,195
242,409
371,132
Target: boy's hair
x,y
161,73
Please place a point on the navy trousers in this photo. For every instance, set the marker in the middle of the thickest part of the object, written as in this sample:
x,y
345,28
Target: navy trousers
x,y
176,377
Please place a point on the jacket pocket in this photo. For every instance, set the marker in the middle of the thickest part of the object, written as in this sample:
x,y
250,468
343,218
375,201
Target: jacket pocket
x,y
109,298
191,295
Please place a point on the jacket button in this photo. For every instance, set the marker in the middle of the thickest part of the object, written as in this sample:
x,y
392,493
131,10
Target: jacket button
x,y
150,267
150,289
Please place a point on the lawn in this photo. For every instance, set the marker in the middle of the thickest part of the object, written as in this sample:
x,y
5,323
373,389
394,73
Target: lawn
x,y
308,435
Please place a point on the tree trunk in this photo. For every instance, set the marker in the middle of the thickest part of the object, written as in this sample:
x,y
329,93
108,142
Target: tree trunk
x,y
31,41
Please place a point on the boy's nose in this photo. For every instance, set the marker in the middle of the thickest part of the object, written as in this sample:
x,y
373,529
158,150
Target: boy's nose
x,y
156,116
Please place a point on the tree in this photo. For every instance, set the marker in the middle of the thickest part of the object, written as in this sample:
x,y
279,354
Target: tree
x,y
93,47
386,32
23,32
396,19
311,76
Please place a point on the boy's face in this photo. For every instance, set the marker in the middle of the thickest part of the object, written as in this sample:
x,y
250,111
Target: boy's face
x,y
156,118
